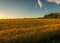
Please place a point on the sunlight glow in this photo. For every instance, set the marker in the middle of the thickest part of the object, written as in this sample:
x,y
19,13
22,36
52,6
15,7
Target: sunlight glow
x,y
1,15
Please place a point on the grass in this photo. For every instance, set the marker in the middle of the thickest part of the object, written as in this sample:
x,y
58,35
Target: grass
x,y
30,31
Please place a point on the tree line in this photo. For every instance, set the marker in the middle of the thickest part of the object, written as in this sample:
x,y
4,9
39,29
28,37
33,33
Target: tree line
x,y
52,15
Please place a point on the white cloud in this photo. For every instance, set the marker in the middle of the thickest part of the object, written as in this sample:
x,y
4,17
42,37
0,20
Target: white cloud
x,y
40,3
56,1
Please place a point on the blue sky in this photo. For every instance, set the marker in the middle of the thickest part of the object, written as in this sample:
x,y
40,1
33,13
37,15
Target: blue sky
x,y
28,8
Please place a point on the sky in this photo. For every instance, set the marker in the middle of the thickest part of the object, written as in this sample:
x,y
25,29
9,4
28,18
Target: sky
x,y
28,8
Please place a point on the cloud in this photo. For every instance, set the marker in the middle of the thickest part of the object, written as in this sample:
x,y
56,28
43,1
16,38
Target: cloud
x,y
53,1
40,3
56,1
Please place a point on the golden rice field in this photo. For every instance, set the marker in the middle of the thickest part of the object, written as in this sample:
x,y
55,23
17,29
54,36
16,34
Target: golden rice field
x,y
30,30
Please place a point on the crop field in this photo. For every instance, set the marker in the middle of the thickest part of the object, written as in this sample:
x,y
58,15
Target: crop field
x,y
30,30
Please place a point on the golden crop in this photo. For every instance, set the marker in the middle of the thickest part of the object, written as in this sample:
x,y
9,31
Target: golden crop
x,y
29,30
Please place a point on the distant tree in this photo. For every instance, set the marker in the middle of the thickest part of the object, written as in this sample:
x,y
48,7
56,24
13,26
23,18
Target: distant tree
x,y
52,15
46,16
40,18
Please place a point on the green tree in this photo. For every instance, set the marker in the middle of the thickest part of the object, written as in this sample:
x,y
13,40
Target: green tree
x,y
52,15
